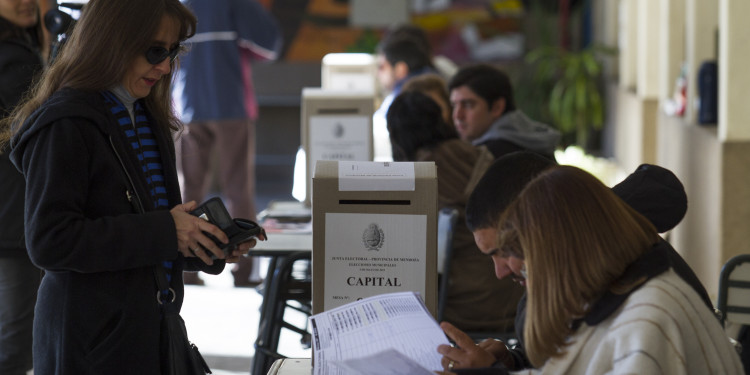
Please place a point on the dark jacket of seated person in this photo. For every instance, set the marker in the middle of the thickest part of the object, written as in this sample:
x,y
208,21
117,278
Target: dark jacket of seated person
x,y
476,299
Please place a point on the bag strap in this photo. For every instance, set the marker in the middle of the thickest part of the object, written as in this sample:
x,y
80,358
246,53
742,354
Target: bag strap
x,y
164,291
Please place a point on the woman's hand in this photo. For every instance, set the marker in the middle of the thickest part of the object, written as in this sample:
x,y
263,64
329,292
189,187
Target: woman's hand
x,y
190,235
466,354
243,248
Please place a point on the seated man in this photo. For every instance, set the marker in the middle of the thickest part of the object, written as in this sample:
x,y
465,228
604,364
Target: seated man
x,y
485,113
653,191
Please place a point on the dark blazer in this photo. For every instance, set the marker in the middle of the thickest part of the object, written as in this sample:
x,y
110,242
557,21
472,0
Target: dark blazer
x,y
91,225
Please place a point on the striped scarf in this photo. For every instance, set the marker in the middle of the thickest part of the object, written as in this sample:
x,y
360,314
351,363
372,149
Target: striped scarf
x,y
142,140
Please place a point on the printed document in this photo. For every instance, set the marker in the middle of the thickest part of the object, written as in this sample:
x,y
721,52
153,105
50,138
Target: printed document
x,y
385,334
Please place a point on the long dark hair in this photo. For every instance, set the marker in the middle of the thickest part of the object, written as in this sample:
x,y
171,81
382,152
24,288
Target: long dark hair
x,y
415,121
104,43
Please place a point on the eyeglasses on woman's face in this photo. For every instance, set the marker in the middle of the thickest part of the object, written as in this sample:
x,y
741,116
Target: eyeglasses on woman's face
x,y
156,54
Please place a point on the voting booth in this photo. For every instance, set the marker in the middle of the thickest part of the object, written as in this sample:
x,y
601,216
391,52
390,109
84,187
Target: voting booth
x,y
375,231
336,125
349,71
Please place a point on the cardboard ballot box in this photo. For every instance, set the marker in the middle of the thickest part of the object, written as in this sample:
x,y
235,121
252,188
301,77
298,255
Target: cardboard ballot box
x,y
336,125
374,231
349,71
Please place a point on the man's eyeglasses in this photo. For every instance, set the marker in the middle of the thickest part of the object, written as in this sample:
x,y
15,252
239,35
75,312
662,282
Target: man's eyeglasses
x,y
155,55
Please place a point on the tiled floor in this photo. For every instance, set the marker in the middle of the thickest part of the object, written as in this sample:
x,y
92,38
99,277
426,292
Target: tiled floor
x,y
223,322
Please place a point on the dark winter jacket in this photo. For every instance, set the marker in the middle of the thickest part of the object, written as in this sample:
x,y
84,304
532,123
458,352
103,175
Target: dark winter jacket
x,y
19,63
91,225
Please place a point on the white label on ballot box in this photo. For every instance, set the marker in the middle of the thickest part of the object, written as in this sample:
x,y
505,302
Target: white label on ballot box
x,y
351,81
376,176
371,254
339,138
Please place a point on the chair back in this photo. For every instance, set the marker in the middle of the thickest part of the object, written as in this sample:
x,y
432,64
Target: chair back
x,y
447,220
734,290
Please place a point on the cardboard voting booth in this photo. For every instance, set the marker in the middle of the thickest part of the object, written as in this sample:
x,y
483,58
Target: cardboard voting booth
x,y
374,231
349,71
336,125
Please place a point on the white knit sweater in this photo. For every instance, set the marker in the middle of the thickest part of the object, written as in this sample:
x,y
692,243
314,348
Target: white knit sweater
x,y
662,328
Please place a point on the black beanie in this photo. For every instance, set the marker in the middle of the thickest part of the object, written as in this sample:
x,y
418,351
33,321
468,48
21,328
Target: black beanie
x,y
656,193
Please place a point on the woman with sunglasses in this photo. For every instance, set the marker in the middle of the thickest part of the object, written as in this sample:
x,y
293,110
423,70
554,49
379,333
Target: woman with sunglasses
x,y
21,50
103,209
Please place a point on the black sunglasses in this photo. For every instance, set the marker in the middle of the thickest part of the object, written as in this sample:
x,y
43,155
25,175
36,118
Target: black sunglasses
x,y
155,55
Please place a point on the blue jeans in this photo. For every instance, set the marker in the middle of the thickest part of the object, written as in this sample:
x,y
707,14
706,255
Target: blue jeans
x,y
19,281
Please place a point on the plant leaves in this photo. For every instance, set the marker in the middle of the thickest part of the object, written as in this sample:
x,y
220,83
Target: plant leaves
x,y
597,110
589,62
555,103
540,53
581,94
567,113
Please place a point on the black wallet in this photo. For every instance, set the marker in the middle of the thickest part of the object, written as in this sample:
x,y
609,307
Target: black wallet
x,y
238,230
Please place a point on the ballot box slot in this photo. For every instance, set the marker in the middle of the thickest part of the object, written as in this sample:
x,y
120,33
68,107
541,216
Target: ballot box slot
x,y
384,202
338,111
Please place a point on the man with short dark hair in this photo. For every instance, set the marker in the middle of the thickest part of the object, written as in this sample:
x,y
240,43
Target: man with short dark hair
x,y
485,113
399,57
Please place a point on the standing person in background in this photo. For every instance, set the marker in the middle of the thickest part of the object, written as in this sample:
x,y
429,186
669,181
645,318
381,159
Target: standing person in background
x,y
21,51
215,96
485,113
399,57
103,211
443,65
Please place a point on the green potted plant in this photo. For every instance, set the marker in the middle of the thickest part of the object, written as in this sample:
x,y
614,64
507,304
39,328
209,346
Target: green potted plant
x,y
575,101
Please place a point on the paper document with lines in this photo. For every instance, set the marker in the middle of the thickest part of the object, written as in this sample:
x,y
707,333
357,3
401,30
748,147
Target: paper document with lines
x,y
389,333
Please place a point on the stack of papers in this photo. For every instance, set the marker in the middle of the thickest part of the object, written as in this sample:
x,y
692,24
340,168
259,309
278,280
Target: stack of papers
x,y
384,334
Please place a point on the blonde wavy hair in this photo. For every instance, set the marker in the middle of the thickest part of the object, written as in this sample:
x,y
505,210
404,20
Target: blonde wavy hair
x,y
577,238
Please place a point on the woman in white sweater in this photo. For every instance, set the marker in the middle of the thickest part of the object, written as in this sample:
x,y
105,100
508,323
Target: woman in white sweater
x,y
602,297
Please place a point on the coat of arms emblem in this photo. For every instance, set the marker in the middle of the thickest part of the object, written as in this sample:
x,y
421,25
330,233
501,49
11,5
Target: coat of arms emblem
x,y
373,237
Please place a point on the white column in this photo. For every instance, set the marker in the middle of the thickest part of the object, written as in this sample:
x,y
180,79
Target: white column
x,y
671,45
702,23
627,42
648,56
734,75
605,15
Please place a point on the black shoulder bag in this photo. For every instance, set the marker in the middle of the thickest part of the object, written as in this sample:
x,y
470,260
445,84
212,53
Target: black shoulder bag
x,y
178,355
